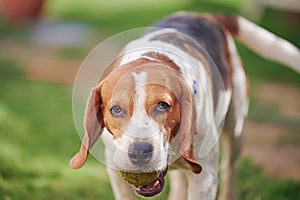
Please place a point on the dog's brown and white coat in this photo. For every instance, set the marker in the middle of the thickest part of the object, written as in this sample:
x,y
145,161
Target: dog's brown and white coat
x,y
167,98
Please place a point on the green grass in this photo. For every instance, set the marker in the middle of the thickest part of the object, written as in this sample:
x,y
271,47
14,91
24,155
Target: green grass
x,y
253,183
37,133
38,138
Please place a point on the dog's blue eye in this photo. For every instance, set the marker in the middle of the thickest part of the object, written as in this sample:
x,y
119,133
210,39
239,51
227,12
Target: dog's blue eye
x,y
162,107
117,111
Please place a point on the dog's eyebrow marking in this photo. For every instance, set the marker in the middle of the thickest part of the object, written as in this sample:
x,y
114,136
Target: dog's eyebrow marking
x,y
139,112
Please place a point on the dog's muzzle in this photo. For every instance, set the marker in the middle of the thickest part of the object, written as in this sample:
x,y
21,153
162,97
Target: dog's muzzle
x,y
153,188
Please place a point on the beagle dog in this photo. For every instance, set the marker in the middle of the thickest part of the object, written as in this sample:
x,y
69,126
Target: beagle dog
x,y
167,98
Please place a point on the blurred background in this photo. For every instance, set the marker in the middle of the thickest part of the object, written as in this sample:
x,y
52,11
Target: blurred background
x,y
42,44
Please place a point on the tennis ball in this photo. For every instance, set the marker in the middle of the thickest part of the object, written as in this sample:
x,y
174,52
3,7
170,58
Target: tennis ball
x,y
139,178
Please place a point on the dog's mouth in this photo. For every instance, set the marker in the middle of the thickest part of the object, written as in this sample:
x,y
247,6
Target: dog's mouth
x,y
154,187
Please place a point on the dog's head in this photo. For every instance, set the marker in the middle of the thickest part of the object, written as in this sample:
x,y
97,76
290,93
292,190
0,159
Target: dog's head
x,y
147,108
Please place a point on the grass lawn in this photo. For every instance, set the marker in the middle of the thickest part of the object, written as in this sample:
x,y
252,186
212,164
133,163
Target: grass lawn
x,y
37,133
38,138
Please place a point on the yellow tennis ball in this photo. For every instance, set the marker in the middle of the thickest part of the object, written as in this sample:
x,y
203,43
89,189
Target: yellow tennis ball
x,y
139,178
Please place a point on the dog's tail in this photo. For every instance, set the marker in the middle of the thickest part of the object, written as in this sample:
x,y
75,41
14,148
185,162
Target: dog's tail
x,y
260,40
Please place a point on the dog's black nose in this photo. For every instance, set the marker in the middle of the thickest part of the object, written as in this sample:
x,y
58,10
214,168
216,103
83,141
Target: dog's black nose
x,y
140,153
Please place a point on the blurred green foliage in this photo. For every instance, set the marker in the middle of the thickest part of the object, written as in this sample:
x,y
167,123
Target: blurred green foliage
x,y
115,17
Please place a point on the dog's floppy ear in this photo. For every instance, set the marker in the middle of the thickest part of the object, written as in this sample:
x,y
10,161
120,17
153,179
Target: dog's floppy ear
x,y
188,128
93,128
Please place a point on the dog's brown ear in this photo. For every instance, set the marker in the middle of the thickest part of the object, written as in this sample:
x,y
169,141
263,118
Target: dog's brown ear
x,y
188,128
93,128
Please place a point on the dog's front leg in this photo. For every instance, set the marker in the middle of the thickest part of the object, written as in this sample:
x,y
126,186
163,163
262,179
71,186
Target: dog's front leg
x,y
178,185
121,189
204,186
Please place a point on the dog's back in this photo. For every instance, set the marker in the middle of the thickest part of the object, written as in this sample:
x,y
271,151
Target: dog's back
x,y
208,30
208,35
